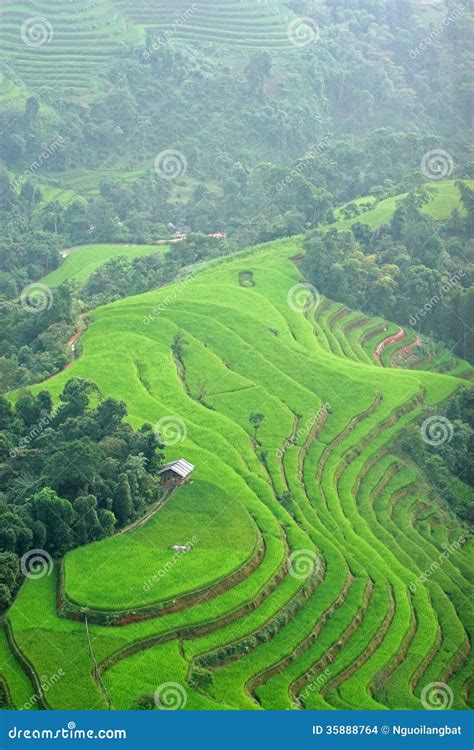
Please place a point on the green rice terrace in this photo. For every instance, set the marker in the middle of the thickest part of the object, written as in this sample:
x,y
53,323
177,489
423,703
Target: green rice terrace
x,y
47,43
80,262
303,582
65,44
258,25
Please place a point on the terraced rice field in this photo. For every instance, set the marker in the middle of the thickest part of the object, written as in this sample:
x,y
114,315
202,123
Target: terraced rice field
x,y
304,586
63,44
19,686
70,44
85,183
81,262
258,25
356,336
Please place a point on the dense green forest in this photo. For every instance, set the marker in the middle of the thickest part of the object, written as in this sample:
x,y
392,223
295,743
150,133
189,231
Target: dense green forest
x,y
69,475
445,452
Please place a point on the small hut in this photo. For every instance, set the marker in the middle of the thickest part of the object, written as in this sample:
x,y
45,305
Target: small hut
x,y
175,473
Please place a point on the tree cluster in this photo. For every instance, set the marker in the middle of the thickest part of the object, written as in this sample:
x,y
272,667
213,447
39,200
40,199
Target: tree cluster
x,y
34,334
414,270
447,459
69,475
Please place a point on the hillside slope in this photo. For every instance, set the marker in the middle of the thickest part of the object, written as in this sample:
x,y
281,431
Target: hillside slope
x,y
327,604
80,262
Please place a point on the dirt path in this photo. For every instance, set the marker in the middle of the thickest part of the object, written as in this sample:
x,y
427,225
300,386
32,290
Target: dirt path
x,y
75,336
81,327
143,519
399,336
404,353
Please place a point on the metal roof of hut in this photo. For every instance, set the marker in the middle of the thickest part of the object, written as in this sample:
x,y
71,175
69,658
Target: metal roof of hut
x,y
181,467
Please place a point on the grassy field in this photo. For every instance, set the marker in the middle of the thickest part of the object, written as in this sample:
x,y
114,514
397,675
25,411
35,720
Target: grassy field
x,y
148,552
82,261
445,199
346,527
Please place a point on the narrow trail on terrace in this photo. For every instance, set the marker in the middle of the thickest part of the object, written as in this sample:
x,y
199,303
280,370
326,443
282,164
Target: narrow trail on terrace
x,y
143,519
399,336
80,328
